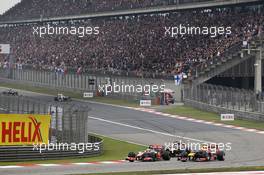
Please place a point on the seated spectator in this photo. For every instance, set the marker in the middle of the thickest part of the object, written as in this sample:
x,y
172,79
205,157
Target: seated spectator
x,y
132,44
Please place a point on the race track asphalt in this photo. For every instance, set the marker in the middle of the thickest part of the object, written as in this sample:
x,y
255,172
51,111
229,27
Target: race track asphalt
x,y
146,128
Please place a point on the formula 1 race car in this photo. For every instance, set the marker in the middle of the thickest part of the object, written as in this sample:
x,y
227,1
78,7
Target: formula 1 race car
x,y
205,154
62,98
153,153
10,92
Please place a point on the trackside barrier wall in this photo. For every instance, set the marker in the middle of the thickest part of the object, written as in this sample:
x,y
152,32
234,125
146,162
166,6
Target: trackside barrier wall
x,y
24,153
86,82
220,99
221,110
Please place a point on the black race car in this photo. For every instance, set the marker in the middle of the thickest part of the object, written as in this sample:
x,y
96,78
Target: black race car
x,y
205,154
10,92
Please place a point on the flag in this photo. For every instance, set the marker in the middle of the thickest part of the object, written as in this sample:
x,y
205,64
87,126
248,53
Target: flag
x,y
79,70
178,79
4,48
260,31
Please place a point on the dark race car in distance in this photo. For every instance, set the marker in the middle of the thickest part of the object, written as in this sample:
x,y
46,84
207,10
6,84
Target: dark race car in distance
x,y
10,92
62,98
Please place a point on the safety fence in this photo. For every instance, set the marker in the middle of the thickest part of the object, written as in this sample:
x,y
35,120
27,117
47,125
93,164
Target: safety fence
x,y
68,121
244,103
86,82
68,133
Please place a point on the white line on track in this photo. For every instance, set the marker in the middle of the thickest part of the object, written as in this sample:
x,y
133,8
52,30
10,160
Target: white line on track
x,y
108,162
82,163
48,165
10,167
224,173
118,139
148,130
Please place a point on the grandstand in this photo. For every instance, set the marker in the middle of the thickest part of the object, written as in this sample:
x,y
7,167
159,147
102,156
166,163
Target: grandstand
x,y
51,8
144,37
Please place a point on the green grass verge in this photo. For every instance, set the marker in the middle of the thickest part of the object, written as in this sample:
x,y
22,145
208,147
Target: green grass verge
x,y
113,150
131,103
213,117
260,168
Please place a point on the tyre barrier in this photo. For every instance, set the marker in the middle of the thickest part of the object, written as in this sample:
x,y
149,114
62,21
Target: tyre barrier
x,y
28,153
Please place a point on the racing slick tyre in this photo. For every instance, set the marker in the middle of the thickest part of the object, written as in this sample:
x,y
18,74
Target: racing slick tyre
x,y
166,155
208,157
154,157
172,153
131,154
220,156
184,160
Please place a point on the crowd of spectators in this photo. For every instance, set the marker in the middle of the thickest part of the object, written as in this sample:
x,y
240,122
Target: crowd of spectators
x,y
28,9
133,43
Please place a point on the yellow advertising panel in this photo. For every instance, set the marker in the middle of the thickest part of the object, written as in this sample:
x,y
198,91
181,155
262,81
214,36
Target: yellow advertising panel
x,y
24,129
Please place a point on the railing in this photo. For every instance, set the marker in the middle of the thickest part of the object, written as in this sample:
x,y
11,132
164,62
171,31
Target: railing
x,y
114,72
199,69
225,98
83,82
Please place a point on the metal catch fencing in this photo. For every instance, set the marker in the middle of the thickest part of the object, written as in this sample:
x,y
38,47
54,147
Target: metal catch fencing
x,y
68,121
84,82
231,99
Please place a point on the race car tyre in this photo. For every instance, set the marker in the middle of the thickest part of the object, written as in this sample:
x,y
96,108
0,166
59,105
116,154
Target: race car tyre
x,y
220,156
154,157
184,160
208,157
166,155
172,154
131,154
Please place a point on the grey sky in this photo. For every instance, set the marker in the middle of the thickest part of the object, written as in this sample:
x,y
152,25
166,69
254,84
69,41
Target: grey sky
x,y
7,4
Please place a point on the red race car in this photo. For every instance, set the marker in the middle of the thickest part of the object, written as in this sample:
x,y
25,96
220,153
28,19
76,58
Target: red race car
x,y
153,153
